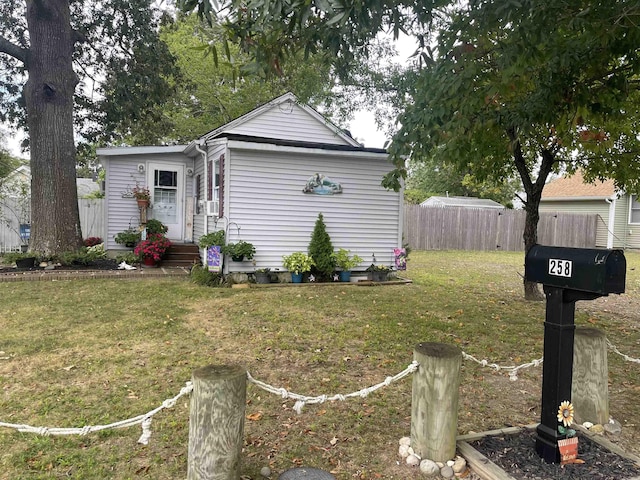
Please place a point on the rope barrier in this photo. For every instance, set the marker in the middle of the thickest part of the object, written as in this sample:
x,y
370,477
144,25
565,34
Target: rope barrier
x,y
513,370
144,420
626,357
302,400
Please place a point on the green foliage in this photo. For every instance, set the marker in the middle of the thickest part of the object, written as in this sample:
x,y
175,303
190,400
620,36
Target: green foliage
x,y
200,275
321,249
297,262
210,239
154,226
83,256
239,250
128,237
129,257
11,257
344,261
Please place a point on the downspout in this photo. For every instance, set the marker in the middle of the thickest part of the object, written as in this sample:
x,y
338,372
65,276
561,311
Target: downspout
x,y
612,220
206,176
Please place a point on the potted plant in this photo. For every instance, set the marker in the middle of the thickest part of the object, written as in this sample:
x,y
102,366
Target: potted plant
x,y
152,249
263,275
23,260
142,195
155,226
128,237
239,251
378,273
211,239
297,263
346,263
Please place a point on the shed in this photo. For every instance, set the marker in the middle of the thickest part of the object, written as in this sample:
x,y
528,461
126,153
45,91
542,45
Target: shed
x,y
460,202
263,178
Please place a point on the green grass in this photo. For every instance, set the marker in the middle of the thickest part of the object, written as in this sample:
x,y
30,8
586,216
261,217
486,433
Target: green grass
x,y
98,351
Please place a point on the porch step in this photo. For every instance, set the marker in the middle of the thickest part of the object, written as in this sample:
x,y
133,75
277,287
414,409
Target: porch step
x,y
181,255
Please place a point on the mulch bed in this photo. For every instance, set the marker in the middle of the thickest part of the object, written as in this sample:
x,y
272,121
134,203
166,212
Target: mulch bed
x,y
516,455
100,264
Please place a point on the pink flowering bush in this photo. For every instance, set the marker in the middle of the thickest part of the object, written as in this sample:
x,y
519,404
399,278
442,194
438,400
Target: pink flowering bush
x,y
153,247
92,241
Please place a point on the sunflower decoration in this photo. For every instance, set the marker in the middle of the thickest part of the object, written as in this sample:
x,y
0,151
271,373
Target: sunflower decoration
x,y
565,418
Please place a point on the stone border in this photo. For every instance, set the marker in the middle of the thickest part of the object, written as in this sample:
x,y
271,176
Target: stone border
x,y
487,470
52,275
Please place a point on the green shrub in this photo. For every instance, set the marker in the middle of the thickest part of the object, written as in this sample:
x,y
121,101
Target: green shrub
x,y
321,250
200,275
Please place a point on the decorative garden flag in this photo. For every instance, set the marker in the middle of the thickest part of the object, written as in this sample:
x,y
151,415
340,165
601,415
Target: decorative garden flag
x,y
214,259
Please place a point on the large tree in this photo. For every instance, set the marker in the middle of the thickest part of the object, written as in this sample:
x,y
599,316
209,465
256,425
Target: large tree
x,y
212,91
527,87
54,56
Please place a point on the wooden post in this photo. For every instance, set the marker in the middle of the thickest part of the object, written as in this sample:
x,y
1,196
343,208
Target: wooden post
x,y
434,401
590,385
216,422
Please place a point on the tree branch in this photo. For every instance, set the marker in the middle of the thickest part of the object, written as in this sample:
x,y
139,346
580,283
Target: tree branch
x,y
13,50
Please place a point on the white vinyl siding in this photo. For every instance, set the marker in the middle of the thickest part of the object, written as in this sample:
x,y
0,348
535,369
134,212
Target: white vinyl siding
x,y
288,121
122,177
599,207
266,205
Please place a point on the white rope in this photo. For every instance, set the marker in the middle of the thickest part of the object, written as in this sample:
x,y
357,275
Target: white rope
x,y
302,400
626,357
513,370
144,420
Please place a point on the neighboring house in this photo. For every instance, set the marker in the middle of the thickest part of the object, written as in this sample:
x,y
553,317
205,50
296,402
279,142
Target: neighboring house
x,y
15,208
263,178
619,213
461,202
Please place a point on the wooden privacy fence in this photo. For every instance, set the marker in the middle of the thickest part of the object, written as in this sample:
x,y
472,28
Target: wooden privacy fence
x,y
12,215
427,228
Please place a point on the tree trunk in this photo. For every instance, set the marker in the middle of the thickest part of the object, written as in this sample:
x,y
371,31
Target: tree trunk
x,y
530,236
49,99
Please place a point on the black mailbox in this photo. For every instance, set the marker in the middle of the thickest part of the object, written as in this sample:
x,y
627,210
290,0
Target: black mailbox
x,y
583,269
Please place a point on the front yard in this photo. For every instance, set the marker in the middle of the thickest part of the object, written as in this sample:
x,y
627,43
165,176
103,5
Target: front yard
x,y
97,351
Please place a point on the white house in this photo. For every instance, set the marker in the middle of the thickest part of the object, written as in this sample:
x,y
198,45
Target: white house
x,y
263,178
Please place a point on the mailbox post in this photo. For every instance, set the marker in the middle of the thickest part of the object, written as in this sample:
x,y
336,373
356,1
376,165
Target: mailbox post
x,y
567,275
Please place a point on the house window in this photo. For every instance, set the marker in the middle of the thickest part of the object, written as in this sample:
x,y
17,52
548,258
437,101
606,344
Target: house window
x,y
634,210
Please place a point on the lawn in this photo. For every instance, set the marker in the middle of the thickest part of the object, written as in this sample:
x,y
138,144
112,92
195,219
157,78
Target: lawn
x,y
98,351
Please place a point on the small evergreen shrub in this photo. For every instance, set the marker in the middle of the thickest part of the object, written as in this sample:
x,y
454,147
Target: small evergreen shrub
x,y
321,250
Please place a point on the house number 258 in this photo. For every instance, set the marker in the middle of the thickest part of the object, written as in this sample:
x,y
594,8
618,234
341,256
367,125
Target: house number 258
x,y
560,268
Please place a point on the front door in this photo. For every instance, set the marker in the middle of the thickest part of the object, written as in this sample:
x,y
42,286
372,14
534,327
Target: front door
x,y
167,183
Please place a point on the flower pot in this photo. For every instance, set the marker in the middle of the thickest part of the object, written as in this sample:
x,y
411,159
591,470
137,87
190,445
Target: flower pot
x,y
142,202
149,262
345,276
377,276
237,258
262,277
296,277
24,263
568,449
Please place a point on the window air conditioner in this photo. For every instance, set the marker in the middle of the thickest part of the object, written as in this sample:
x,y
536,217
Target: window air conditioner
x,y
212,208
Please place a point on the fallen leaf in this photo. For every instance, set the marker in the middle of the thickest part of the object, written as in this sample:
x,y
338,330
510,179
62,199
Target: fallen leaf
x,y
69,368
254,416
